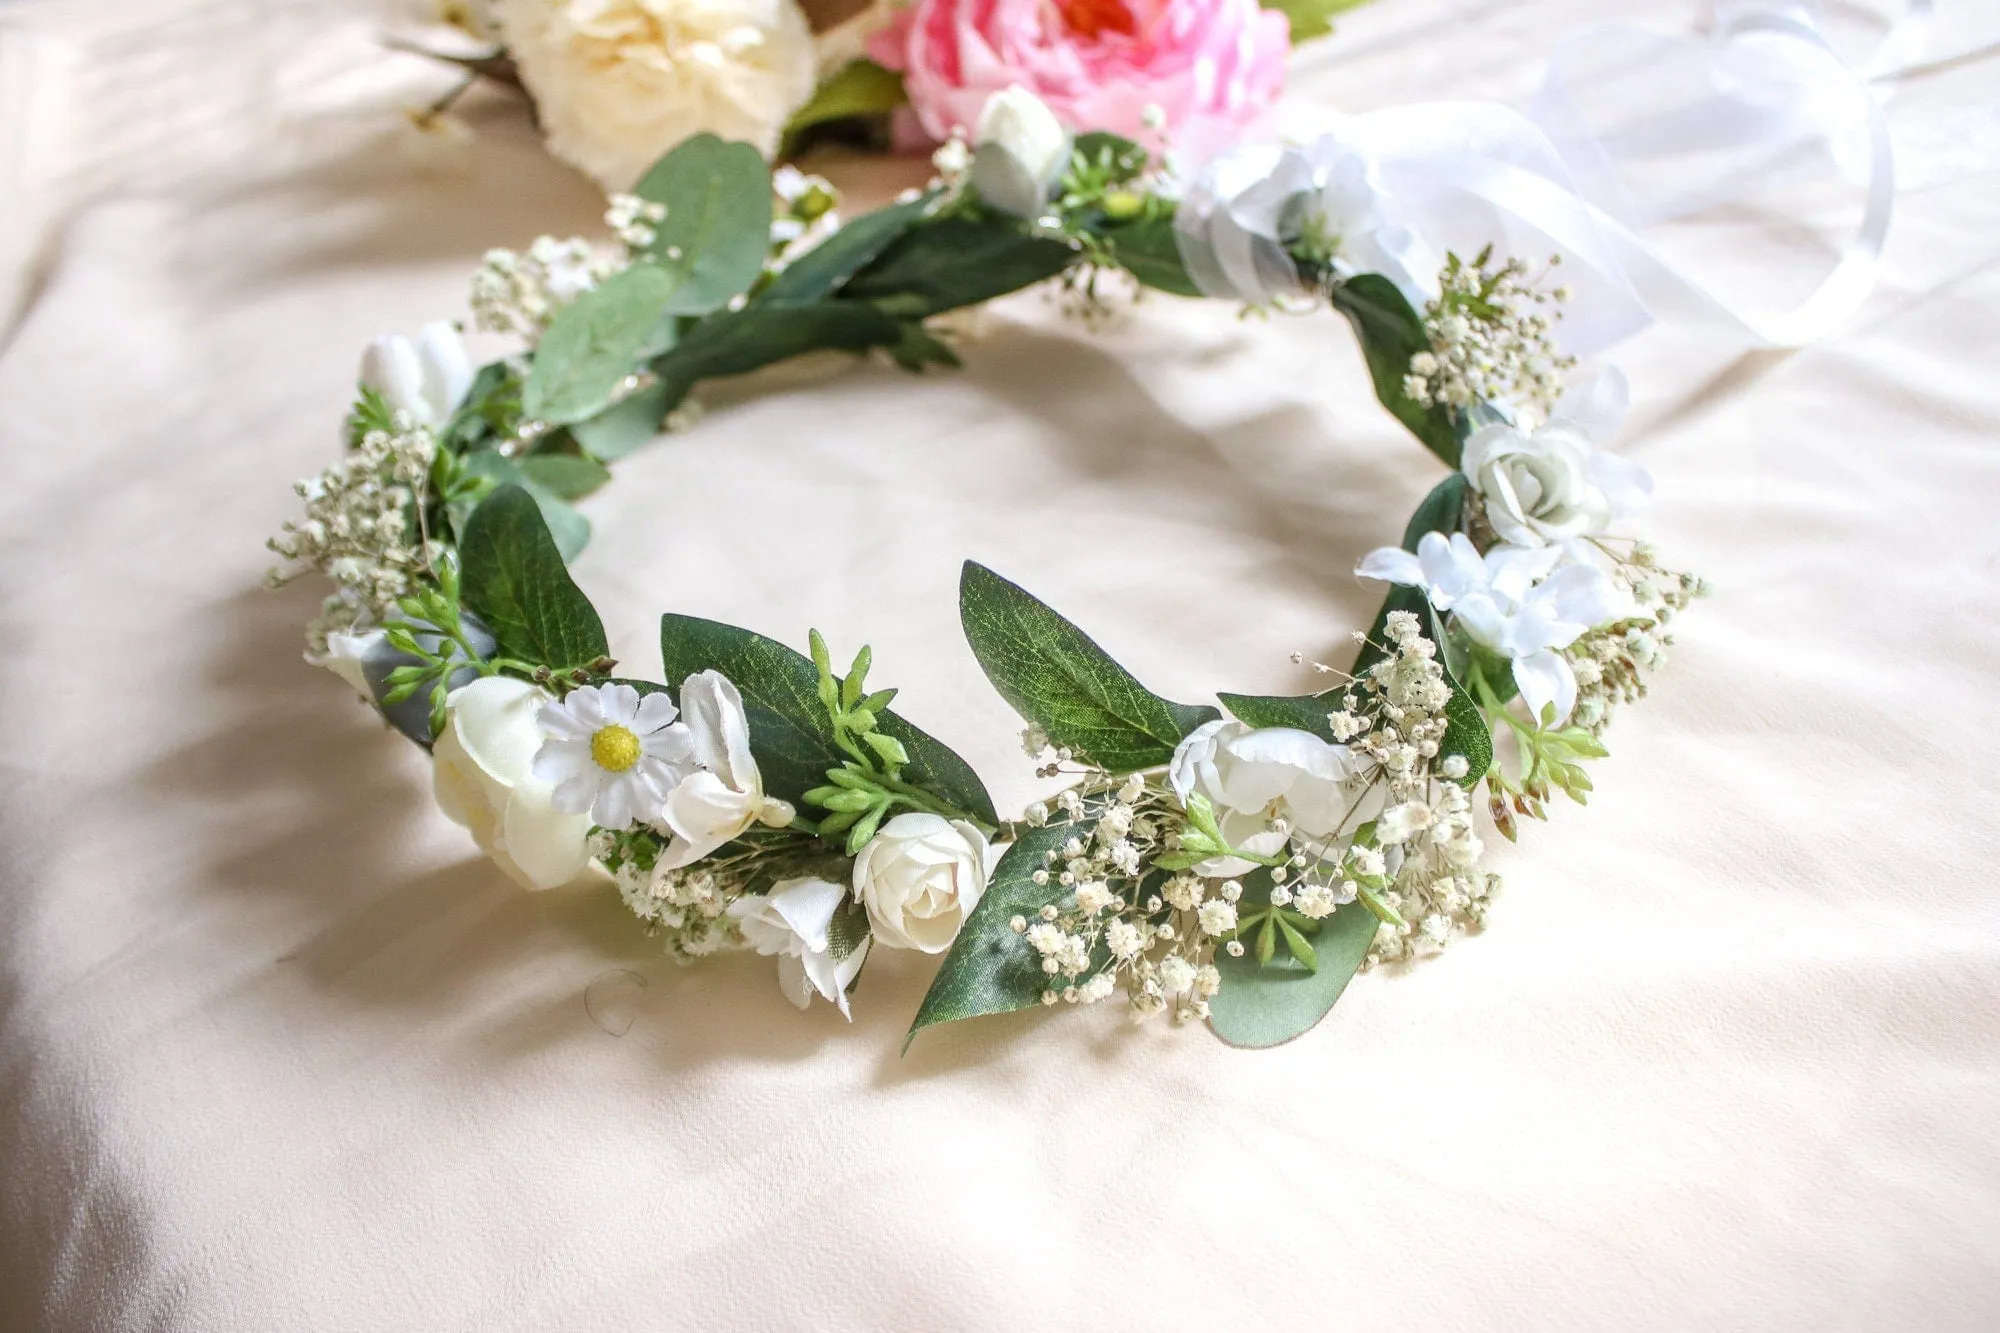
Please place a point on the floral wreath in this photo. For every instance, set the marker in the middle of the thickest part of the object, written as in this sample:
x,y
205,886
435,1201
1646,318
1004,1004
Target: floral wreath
x,y
1238,864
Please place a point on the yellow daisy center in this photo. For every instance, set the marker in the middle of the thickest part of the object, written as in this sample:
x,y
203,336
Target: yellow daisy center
x,y
614,747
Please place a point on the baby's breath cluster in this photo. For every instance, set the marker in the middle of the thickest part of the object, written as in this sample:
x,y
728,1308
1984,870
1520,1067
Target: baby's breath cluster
x,y
1612,661
1418,866
363,525
519,292
1491,337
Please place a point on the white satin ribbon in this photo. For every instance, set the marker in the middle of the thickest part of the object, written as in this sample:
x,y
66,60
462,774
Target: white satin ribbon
x,y
1702,124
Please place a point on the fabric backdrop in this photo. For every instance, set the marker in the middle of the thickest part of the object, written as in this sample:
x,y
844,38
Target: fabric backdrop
x,y
278,1051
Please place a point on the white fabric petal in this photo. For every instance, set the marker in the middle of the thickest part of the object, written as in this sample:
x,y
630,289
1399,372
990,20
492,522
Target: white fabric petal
x,y
1545,678
495,718
714,712
703,814
1511,571
446,370
1585,595
391,368
656,710
792,980
1391,564
548,848
1481,618
620,704
1596,404
1193,763
807,907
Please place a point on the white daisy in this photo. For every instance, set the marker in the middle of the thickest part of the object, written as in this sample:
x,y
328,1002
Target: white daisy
x,y
612,753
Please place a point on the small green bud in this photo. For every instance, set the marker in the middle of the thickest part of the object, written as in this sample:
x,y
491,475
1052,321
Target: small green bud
x,y
1123,205
887,748
860,721
855,801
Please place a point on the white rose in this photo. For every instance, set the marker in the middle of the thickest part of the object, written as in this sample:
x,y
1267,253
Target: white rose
x,y
481,776
1536,484
426,377
725,795
920,877
791,922
1021,152
1253,774
619,82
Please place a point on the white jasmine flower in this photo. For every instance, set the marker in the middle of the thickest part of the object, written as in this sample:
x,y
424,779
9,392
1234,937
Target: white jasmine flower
x,y
790,922
612,754
482,775
1510,602
1253,775
1217,917
919,877
1020,152
724,794
619,82
426,378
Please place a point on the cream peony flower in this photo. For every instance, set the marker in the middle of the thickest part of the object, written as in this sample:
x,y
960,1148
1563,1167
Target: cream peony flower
x,y
482,777
619,82
920,877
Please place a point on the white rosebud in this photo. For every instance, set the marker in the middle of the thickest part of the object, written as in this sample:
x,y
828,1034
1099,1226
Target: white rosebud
x,y
1020,152
1243,771
427,377
920,877
481,776
346,652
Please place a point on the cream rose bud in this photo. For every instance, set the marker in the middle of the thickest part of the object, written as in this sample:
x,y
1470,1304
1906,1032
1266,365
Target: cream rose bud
x,y
1249,774
481,774
427,376
920,877
1021,150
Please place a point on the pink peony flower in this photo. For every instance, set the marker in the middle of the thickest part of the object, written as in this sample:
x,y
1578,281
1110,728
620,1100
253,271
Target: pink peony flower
x,y
1212,67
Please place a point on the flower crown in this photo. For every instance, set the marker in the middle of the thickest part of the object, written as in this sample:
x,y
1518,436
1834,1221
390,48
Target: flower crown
x,y
1237,864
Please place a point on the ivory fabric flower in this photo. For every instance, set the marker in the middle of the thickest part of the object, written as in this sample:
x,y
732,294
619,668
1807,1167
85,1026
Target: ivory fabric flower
x,y
1021,152
611,753
723,795
426,377
920,877
619,82
1249,774
1552,486
1514,601
482,775
1193,74
791,922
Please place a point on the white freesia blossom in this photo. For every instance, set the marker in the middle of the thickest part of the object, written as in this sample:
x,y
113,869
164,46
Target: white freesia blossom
x,y
1551,486
482,775
426,377
723,795
790,922
1253,774
612,754
919,877
1512,600
1020,152
619,82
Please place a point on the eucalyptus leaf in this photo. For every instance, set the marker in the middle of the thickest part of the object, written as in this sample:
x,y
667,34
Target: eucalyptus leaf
x,y
1267,1004
945,263
717,230
1057,678
790,732
990,969
1146,249
738,341
1390,334
570,529
1303,712
821,271
566,476
858,88
594,342
513,578
628,423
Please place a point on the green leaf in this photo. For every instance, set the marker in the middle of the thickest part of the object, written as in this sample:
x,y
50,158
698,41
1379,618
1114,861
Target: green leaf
x,y
1268,1004
1147,250
1311,18
718,225
513,579
990,969
1057,677
566,476
570,529
1390,334
790,732
1305,712
859,88
628,423
956,261
824,269
740,341
491,409
595,342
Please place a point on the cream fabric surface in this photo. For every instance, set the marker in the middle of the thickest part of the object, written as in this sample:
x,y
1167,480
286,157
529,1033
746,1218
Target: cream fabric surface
x,y
278,1051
